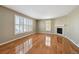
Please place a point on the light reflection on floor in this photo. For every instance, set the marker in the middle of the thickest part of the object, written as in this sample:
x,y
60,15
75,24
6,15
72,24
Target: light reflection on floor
x,y
48,41
26,45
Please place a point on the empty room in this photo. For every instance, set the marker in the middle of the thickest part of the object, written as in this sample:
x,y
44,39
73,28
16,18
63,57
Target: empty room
x,y
39,29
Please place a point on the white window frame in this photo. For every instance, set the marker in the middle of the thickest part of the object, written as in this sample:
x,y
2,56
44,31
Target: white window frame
x,y
29,24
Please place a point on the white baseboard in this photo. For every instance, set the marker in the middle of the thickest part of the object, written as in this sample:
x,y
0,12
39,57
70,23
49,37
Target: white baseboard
x,y
68,39
44,32
15,39
63,36
39,32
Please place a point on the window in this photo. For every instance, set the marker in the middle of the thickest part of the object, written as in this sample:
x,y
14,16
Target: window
x,y
30,25
48,25
17,24
23,24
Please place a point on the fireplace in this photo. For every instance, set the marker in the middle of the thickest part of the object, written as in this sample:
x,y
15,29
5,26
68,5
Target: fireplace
x,y
59,30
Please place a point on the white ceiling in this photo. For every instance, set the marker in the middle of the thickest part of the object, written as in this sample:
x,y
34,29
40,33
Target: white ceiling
x,y
42,11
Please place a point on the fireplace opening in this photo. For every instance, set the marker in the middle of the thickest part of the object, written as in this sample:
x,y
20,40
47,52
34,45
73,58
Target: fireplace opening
x,y
59,30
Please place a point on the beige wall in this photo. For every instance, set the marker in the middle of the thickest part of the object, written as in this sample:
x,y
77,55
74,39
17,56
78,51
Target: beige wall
x,y
0,28
71,25
41,26
60,23
7,25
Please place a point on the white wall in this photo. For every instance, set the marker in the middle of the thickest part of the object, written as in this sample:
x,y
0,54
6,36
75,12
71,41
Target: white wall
x,y
7,25
61,23
41,26
71,25
0,26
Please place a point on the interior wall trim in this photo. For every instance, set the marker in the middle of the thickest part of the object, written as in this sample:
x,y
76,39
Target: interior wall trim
x,y
45,32
68,39
16,39
40,32
63,36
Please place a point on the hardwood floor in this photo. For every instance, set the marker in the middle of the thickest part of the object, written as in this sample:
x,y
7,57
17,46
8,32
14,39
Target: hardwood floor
x,y
40,44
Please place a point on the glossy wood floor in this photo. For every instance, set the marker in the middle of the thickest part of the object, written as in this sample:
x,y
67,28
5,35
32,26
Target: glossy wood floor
x,y
40,44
